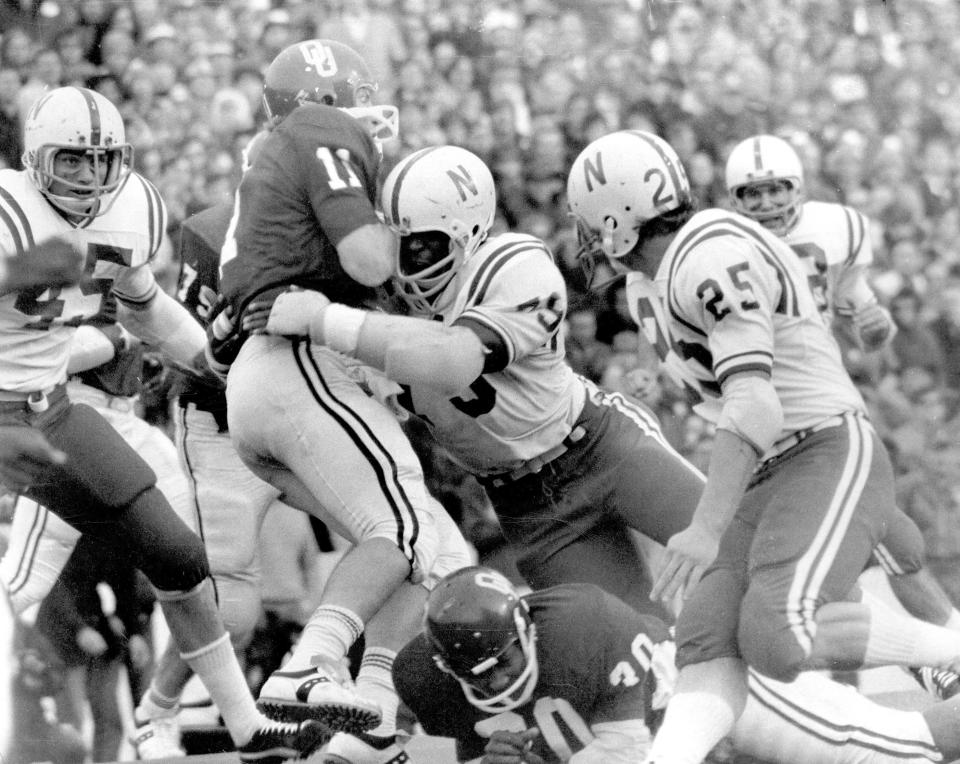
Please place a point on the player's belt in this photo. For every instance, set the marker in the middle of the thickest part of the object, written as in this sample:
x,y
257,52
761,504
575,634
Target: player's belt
x,y
784,445
36,401
533,466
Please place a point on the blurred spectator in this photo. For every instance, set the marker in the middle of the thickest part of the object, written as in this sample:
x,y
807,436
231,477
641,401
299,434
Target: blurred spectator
x,y
11,134
946,328
915,344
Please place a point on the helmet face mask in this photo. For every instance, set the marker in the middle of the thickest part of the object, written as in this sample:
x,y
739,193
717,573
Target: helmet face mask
x,y
764,178
484,637
441,202
75,151
330,73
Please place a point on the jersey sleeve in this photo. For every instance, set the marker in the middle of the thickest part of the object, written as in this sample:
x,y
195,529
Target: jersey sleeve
x,y
335,173
860,249
852,289
728,289
517,297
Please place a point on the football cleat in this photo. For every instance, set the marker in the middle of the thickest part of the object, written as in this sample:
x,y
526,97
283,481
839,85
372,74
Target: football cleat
x,y
324,692
941,683
158,738
362,748
276,742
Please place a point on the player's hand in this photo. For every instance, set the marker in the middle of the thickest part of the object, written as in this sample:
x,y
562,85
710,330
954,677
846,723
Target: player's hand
x,y
688,554
24,455
511,748
873,325
52,263
294,312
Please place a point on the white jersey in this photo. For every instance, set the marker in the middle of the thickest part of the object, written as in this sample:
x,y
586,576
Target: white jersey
x,y
728,297
511,287
36,325
833,243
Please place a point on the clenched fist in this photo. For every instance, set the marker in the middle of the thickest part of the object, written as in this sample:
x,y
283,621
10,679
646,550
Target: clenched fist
x,y
52,263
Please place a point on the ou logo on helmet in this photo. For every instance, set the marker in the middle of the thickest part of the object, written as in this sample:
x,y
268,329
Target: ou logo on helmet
x,y
320,57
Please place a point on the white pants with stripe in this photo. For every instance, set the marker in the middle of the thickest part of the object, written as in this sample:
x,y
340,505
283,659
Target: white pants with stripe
x,y
300,420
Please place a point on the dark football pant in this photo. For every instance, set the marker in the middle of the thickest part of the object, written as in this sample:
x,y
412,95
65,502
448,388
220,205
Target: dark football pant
x,y
106,490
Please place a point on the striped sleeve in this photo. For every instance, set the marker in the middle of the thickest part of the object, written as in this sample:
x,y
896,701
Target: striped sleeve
x,y
156,215
859,250
16,232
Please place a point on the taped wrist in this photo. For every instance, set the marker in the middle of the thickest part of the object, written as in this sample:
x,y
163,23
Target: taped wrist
x,y
338,327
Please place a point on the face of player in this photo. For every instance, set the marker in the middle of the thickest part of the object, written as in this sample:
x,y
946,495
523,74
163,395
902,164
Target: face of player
x,y
78,174
766,197
510,665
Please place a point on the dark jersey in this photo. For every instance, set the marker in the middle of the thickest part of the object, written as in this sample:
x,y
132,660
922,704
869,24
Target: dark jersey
x,y
594,653
313,182
201,239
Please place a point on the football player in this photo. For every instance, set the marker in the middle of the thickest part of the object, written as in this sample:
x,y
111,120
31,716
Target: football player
x,y
568,673
78,185
572,674
306,220
569,468
25,453
764,179
799,487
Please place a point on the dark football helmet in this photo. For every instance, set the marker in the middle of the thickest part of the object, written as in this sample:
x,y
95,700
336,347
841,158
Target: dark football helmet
x,y
473,617
327,72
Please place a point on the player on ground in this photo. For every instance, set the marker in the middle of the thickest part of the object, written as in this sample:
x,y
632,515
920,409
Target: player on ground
x,y
78,186
795,464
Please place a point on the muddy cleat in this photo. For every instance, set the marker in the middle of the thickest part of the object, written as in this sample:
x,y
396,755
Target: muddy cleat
x,y
158,738
324,692
276,742
345,748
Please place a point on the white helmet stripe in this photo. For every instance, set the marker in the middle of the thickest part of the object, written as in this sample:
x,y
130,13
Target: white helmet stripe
x,y
398,182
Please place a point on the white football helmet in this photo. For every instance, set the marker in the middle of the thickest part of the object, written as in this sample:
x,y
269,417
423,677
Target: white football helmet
x,y
618,183
758,160
77,118
442,202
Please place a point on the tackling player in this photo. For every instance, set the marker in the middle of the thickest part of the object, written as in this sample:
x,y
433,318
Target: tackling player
x,y
78,185
305,219
799,488
569,468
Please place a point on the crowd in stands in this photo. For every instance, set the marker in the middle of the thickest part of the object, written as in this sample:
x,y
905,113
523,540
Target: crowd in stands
x,y
866,91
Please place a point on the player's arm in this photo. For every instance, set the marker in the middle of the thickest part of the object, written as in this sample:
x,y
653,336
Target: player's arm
x,y
93,346
408,349
367,254
159,320
734,299
857,304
